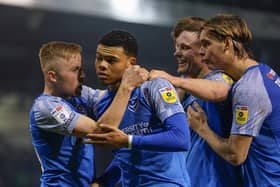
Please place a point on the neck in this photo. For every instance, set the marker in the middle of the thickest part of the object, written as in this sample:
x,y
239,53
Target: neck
x,y
204,71
239,66
50,91
114,87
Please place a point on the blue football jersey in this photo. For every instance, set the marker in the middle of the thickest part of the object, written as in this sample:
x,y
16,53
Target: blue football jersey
x,y
205,167
256,113
148,108
64,159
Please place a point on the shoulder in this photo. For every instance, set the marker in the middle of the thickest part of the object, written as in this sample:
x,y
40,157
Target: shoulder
x,y
155,83
44,100
250,88
88,91
251,81
218,75
45,104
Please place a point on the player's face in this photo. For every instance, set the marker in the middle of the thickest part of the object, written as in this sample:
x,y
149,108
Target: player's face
x,y
110,64
212,51
187,54
70,76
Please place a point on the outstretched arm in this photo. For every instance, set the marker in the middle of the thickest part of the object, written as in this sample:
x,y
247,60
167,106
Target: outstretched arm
x,y
174,138
207,90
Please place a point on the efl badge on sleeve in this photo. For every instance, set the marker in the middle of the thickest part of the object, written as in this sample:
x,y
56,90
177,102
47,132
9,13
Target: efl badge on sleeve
x,y
227,79
241,114
168,95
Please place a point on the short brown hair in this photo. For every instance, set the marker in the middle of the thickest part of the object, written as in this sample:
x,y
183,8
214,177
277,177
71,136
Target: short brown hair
x,y
192,24
54,50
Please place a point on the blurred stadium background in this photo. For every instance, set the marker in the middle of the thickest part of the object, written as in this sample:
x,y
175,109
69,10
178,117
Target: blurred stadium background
x,y
27,24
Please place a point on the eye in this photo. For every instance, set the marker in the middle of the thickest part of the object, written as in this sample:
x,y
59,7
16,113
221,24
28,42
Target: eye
x,y
205,44
111,60
99,57
185,47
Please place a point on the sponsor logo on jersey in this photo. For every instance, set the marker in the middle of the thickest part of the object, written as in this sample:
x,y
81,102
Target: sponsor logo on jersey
x,y
271,74
277,81
56,109
241,114
228,79
168,95
60,114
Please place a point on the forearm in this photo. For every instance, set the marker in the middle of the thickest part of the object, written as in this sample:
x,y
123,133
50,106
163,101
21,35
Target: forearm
x,y
174,138
113,115
224,147
204,89
84,125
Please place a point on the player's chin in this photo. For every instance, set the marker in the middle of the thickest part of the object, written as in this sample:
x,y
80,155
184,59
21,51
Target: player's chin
x,y
105,82
182,71
211,66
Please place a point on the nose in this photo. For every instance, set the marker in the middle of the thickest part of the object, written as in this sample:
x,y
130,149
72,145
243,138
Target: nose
x,y
202,51
101,65
81,75
177,53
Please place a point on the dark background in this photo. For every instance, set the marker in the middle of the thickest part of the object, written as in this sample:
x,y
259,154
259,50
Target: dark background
x,y
24,29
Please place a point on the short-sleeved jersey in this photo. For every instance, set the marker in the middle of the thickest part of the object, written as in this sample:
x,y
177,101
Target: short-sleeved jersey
x,y
205,167
64,159
256,113
149,106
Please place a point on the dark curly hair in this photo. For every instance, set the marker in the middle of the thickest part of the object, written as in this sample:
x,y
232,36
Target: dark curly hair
x,y
121,38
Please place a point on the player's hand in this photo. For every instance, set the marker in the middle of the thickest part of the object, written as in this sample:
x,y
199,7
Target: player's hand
x,y
134,76
197,118
158,73
110,137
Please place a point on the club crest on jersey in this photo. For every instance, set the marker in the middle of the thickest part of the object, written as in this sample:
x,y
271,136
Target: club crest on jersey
x,y
168,95
227,79
133,104
81,109
241,114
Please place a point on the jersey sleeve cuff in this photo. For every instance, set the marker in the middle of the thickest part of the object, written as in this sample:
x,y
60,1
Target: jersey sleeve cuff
x,y
130,140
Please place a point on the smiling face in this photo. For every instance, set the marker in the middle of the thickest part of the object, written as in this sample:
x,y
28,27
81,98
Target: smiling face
x,y
187,54
110,64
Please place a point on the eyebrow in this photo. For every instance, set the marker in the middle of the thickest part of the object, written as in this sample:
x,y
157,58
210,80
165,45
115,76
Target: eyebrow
x,y
100,53
108,56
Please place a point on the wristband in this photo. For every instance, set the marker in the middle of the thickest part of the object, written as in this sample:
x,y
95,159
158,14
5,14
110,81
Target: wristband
x,y
130,138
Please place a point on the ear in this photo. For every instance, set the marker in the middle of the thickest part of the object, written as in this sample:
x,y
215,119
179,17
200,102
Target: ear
x,y
132,61
227,43
52,76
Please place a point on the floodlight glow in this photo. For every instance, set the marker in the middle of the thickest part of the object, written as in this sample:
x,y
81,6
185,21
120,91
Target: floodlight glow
x,y
24,3
128,9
